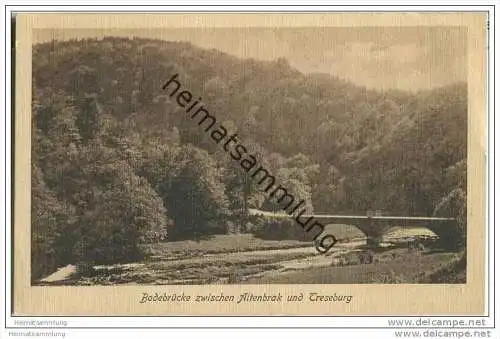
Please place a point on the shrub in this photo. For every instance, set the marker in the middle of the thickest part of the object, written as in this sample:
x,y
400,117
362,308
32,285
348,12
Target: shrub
x,y
121,215
279,229
366,257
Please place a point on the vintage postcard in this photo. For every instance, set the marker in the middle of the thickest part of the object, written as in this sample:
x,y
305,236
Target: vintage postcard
x,y
243,164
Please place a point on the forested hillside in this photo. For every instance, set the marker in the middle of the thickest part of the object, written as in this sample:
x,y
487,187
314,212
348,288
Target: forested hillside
x,y
116,162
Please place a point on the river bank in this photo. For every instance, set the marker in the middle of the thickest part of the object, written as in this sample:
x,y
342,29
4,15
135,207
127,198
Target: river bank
x,y
289,263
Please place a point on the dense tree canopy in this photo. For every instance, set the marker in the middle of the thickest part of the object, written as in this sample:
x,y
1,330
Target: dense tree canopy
x,y
116,160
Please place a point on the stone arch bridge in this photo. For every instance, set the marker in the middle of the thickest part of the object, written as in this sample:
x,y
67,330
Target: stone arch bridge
x,y
374,226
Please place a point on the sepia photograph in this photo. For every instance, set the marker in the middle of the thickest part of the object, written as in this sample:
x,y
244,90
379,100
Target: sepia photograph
x,y
201,156
251,156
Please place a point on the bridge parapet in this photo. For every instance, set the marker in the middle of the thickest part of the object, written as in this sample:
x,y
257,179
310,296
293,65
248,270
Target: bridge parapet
x,y
376,213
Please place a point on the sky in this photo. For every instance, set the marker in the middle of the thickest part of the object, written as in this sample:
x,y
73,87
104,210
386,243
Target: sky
x,y
405,58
